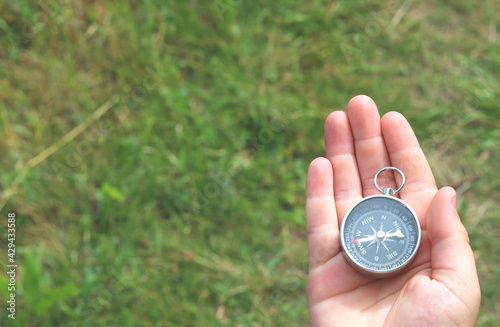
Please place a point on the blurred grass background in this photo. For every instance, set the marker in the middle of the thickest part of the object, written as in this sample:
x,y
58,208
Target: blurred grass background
x,y
178,201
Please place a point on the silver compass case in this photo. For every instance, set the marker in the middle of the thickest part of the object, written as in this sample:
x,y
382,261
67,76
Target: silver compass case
x,y
380,234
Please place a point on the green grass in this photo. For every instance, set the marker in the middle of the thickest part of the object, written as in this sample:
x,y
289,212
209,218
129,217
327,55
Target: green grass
x,y
182,205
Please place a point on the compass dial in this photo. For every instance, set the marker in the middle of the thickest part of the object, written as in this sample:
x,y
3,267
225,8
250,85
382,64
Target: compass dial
x,y
380,235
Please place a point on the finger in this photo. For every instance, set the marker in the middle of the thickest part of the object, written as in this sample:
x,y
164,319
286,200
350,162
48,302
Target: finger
x,y
452,259
321,217
406,154
371,154
340,151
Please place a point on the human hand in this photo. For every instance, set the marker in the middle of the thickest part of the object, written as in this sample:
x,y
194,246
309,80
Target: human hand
x,y
440,287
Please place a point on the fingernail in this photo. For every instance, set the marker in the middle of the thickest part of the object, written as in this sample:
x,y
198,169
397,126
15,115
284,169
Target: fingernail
x,y
453,200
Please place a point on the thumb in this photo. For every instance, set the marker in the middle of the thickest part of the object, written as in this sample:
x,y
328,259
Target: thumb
x,y
452,259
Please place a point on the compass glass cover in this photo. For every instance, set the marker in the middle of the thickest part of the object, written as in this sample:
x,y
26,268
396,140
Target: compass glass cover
x,y
380,234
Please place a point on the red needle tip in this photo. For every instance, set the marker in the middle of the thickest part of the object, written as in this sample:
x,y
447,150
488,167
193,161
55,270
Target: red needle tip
x,y
355,241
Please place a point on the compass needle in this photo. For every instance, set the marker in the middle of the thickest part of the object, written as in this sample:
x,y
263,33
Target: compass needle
x,y
397,233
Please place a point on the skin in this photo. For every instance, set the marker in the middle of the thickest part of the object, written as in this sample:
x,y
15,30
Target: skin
x,y
440,287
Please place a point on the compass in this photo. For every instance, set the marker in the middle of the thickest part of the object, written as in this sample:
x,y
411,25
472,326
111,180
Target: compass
x,y
380,234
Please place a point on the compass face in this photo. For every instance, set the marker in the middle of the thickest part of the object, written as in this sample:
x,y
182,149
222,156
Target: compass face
x,y
380,235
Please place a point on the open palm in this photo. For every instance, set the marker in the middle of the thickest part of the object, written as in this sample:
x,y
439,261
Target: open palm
x,y
440,287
